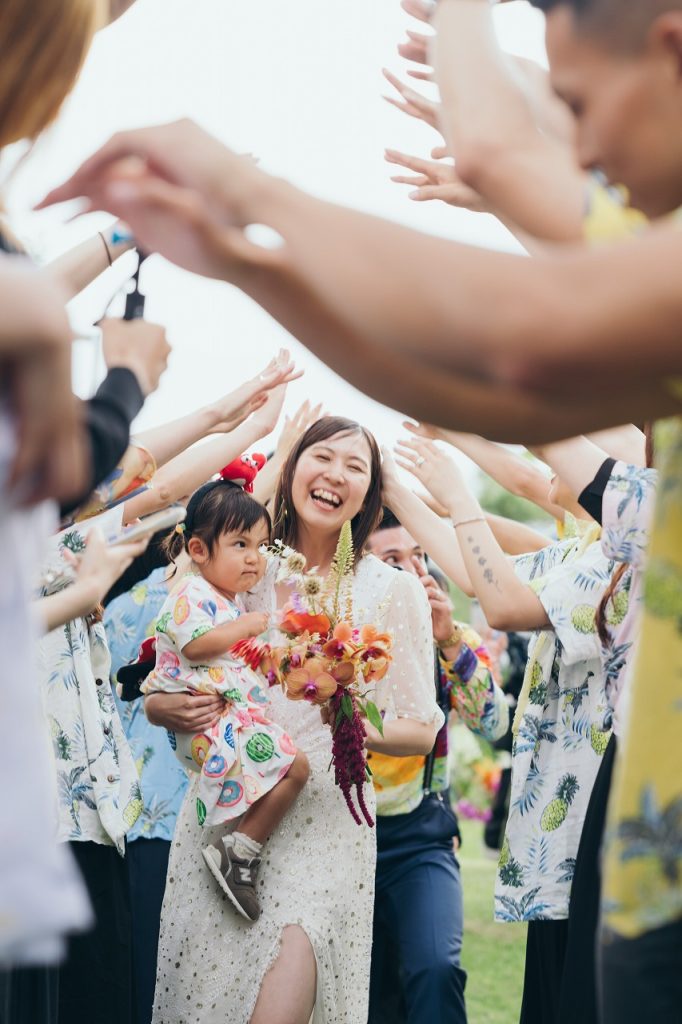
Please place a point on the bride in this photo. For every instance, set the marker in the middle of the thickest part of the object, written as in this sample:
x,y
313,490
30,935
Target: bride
x,y
309,953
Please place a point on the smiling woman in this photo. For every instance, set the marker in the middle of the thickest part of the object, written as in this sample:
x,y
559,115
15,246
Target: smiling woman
x,y
309,954
333,474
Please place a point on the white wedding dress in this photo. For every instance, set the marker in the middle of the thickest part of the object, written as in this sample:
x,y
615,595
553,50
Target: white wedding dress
x,y
318,867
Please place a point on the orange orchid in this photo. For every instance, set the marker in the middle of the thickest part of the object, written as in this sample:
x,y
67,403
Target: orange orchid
x,y
375,668
311,682
371,636
294,623
343,672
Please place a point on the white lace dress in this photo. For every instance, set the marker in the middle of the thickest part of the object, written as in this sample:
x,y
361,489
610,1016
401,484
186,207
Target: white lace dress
x,y
318,867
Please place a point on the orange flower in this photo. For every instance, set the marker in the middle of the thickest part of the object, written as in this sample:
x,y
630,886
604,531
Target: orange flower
x,y
343,632
375,668
296,623
343,672
371,636
311,682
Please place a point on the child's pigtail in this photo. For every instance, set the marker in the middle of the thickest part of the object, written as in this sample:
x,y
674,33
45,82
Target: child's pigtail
x,y
174,544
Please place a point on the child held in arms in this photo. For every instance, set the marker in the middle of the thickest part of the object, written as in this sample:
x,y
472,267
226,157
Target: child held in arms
x,y
250,768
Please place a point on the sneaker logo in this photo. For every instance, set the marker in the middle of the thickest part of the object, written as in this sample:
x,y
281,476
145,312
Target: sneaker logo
x,y
244,875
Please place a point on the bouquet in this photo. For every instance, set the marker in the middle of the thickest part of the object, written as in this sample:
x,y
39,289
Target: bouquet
x,y
326,660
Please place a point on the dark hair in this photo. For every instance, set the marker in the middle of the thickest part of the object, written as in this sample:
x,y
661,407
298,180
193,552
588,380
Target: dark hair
x,y
622,567
624,22
367,519
216,508
389,520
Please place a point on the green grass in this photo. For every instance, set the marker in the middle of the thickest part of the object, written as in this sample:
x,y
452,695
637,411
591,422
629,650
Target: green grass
x,y
493,954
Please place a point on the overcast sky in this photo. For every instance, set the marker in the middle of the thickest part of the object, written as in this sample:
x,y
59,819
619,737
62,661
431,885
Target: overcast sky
x,y
298,84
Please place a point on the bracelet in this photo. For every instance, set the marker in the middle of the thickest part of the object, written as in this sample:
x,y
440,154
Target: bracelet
x,y
455,638
106,247
465,522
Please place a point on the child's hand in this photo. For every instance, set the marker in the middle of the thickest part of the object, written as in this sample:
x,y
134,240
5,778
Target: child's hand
x,y
254,623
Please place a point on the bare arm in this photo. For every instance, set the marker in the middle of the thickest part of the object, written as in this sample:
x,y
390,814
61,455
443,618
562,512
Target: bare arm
x,y
169,440
515,538
219,640
76,269
490,125
507,603
192,468
515,474
576,461
403,737
504,322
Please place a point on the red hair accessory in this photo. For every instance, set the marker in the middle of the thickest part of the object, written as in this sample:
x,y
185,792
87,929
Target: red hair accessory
x,y
244,470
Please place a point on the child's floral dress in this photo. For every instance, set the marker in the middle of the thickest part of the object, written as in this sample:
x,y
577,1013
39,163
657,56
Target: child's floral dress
x,y
244,754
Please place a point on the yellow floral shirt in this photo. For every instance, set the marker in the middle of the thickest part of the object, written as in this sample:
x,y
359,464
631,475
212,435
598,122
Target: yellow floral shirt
x,y
642,887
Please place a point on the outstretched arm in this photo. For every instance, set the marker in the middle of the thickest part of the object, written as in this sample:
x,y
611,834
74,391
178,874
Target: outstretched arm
x,y
504,322
76,269
506,602
192,468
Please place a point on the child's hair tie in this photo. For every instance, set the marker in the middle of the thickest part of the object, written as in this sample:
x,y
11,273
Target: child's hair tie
x,y
180,528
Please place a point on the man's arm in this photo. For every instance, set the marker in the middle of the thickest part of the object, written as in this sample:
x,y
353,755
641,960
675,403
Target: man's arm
x,y
525,175
418,322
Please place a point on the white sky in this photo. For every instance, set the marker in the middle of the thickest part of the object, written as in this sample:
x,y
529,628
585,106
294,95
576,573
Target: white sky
x,y
299,85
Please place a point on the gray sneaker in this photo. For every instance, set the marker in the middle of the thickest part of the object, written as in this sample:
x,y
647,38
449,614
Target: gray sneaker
x,y
236,877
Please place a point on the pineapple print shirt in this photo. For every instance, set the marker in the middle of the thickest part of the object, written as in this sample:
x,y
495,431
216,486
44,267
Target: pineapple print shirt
x,y
559,743
98,787
627,510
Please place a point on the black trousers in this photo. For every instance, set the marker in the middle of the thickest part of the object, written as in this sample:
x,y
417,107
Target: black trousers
x,y
578,1001
641,979
94,984
147,863
545,952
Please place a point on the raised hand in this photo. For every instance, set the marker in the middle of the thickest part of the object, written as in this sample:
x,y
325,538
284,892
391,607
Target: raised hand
x,y
411,102
182,192
435,180
138,345
440,603
253,394
296,425
432,467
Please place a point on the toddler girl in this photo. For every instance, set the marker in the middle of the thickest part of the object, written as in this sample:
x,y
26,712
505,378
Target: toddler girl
x,y
250,769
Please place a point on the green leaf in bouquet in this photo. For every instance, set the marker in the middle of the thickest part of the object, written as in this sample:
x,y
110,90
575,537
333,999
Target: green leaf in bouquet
x,y
374,716
347,706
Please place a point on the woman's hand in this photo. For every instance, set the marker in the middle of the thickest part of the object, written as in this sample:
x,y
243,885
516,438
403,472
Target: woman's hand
x,y
183,193
434,179
184,712
255,394
295,426
433,468
101,564
140,346
412,103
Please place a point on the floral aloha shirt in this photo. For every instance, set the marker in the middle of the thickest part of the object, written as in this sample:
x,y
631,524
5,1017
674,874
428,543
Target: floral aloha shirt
x,y
129,620
643,847
559,743
627,510
99,791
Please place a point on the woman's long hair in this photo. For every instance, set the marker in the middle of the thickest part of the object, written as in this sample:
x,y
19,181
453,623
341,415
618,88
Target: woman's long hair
x,y
43,45
285,519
